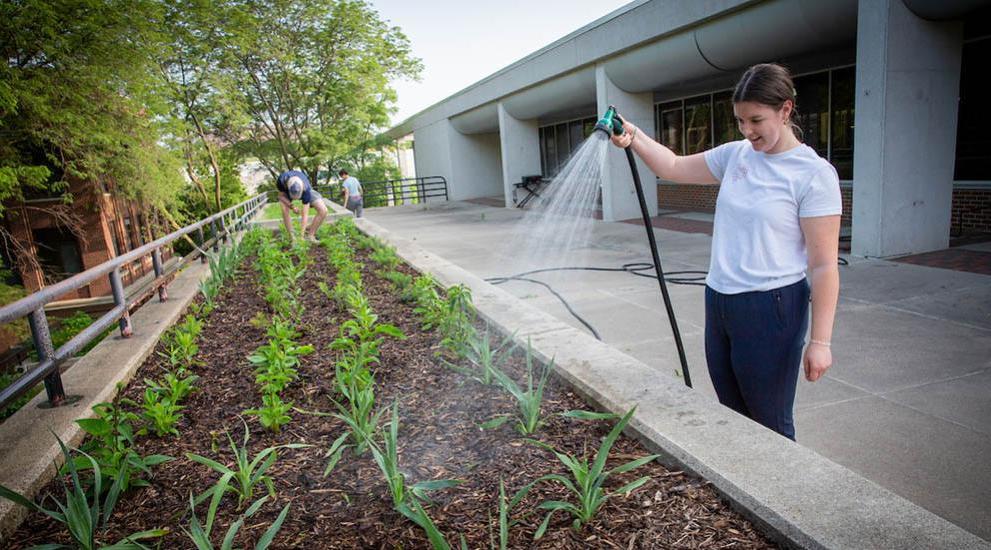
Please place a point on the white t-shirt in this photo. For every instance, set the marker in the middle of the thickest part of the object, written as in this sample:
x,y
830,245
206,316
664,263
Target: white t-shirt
x,y
757,242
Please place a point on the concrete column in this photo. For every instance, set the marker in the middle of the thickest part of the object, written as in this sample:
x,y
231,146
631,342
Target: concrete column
x,y
470,162
432,151
619,198
908,78
520,142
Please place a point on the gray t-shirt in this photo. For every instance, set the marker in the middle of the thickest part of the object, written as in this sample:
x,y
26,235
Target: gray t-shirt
x,y
353,186
757,241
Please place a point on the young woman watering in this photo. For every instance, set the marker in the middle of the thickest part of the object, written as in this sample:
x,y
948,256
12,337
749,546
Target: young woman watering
x,y
776,231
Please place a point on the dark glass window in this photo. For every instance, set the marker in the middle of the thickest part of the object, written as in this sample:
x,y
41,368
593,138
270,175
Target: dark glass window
x,y
698,124
550,151
563,144
558,141
841,147
812,97
724,124
973,139
671,126
58,253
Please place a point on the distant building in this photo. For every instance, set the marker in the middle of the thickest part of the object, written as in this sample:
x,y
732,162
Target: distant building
x,y
889,91
111,225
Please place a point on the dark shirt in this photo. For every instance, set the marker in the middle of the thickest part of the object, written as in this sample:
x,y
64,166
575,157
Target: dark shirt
x,y
281,185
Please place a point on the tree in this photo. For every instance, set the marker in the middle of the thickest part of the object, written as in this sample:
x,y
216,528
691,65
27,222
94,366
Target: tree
x,y
78,101
313,78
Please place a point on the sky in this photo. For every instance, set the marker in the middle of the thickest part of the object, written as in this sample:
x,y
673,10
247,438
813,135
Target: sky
x,y
462,41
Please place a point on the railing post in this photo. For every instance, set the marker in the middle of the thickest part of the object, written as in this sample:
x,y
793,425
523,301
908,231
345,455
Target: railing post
x,y
43,344
199,231
223,227
119,299
216,236
156,262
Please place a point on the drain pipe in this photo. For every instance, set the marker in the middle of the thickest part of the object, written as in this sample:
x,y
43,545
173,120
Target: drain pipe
x,y
611,123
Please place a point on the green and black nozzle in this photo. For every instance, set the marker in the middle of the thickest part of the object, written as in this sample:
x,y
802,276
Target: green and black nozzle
x,y
610,123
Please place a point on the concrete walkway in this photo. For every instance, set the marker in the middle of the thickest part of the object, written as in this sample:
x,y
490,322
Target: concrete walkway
x,y
906,404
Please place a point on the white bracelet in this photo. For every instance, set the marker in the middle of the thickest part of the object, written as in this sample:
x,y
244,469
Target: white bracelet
x,y
820,342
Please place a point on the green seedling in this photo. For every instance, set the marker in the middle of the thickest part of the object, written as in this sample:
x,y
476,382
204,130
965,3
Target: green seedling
x,y
274,412
200,535
84,515
587,480
247,473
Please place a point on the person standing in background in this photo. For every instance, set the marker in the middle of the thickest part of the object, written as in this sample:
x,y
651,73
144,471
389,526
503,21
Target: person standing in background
x,y
352,193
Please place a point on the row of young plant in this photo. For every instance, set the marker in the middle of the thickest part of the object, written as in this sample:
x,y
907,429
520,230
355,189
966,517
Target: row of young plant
x,y
275,362
107,465
452,315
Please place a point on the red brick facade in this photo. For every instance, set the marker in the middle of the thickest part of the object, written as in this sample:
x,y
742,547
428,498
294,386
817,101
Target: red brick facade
x,y
971,210
112,226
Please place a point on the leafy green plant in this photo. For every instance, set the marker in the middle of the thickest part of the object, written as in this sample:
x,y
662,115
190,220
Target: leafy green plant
x,y
408,500
528,402
160,413
274,412
175,386
587,480
247,473
399,280
387,458
111,445
84,514
484,359
200,535
505,522
455,321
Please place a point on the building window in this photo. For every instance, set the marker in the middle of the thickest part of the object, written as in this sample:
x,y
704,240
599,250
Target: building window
x,y
723,119
558,141
671,126
825,115
973,141
58,253
812,97
698,124
842,93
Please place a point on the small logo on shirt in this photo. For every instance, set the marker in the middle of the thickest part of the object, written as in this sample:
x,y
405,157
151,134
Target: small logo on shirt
x,y
740,172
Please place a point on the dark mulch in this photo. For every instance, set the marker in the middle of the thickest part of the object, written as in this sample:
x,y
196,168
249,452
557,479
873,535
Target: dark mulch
x,y
439,438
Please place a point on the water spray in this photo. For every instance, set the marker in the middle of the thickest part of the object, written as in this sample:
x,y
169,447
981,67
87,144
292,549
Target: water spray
x,y
612,124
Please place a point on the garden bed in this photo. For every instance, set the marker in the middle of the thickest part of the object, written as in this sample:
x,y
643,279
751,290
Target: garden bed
x,y
439,437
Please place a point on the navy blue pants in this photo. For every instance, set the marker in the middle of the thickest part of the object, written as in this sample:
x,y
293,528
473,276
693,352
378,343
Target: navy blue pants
x,y
753,346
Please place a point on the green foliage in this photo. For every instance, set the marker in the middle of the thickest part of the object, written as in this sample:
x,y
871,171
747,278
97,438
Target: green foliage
x,y
160,412
72,106
247,474
85,514
484,359
200,535
68,327
274,412
528,402
407,500
111,446
587,480
7,379
309,79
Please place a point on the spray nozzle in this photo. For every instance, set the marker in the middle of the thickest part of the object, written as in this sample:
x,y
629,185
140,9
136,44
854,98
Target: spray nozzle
x,y
611,122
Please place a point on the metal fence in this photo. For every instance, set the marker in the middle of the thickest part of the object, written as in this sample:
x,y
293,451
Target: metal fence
x,y
33,307
395,192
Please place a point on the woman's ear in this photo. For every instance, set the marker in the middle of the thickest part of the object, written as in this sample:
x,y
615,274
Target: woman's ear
x,y
786,108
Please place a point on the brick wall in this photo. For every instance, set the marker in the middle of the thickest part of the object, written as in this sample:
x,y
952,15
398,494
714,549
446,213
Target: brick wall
x,y
699,198
971,210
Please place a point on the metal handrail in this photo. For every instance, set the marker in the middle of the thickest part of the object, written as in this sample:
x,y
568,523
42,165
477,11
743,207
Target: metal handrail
x,y
423,187
33,305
